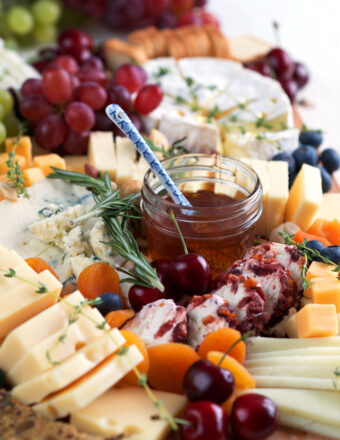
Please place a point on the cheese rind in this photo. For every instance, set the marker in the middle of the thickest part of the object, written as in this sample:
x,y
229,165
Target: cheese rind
x,y
73,368
111,414
84,391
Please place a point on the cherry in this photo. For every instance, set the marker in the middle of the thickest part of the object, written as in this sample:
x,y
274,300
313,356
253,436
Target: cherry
x,y
300,75
281,63
253,417
139,296
259,67
148,99
131,76
191,273
208,422
290,87
205,381
162,267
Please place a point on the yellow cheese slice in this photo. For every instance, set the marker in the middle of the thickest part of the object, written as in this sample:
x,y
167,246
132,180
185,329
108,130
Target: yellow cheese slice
x,y
305,197
278,194
12,260
84,391
36,361
126,160
73,368
127,412
22,302
330,207
21,340
102,152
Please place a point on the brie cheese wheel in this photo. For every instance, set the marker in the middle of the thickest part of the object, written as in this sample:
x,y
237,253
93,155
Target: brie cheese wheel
x,y
219,106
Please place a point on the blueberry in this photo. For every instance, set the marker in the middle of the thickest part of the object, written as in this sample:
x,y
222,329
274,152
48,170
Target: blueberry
x,y
332,253
286,158
315,245
330,159
2,378
326,179
305,154
311,137
110,301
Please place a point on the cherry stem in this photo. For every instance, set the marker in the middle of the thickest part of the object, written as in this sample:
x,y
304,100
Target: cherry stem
x,y
173,218
276,28
242,338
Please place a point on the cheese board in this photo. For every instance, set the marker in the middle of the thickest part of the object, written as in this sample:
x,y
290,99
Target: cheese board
x,y
126,316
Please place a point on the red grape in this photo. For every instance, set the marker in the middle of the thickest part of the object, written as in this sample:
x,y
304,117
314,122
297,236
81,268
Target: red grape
x,y
79,116
180,6
74,81
35,107
76,143
167,19
103,123
48,53
209,18
200,3
136,10
135,119
67,62
41,65
157,7
74,39
50,132
31,86
92,94
119,95
91,74
131,76
191,18
148,99
56,85
94,63
95,9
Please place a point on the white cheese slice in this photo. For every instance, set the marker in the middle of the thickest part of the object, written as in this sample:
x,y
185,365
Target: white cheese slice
x,y
308,351
84,391
306,424
102,152
73,368
259,344
295,382
298,371
296,361
128,412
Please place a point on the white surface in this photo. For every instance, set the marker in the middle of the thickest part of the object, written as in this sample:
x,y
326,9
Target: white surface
x,y
310,31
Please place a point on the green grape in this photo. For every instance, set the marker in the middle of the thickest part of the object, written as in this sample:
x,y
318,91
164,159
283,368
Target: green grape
x,y
2,112
46,12
45,34
2,133
6,100
19,20
12,124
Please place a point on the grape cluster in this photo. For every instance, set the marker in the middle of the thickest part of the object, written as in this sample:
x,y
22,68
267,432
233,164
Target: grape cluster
x,y
278,64
131,14
37,19
70,99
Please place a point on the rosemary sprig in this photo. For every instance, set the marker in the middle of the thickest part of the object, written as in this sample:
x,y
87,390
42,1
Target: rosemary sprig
x,y
14,174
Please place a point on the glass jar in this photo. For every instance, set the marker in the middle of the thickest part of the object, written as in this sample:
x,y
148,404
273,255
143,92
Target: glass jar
x,y
226,198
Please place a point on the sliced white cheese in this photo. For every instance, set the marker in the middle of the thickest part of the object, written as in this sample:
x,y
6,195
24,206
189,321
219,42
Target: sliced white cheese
x,y
308,351
259,344
295,382
296,371
102,152
306,424
296,361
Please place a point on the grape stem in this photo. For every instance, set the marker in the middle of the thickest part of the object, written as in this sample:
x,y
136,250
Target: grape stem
x,y
173,218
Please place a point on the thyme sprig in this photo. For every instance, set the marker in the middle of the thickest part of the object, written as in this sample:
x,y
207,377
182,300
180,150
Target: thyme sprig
x,y
114,210
15,177
175,149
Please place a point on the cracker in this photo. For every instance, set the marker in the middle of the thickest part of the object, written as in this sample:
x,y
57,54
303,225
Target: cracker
x,y
118,52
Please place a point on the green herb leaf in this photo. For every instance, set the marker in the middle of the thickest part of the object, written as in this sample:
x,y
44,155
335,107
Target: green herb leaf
x,y
10,274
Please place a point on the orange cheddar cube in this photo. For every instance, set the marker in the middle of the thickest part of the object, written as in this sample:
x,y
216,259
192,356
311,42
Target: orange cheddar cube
x,y
46,161
33,175
24,147
325,291
317,321
3,162
318,269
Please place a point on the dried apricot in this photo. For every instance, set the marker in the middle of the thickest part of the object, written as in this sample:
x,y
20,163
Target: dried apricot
x,y
99,278
117,318
143,367
221,340
39,265
168,365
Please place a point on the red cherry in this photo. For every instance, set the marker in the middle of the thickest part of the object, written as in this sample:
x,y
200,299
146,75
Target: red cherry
x,y
208,422
253,417
291,88
205,381
162,267
191,273
259,67
139,296
281,62
300,75
148,99
131,76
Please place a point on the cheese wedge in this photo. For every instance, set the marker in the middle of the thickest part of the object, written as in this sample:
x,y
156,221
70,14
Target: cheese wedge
x,y
37,361
21,340
305,197
278,194
73,368
127,412
126,160
85,390
102,152
23,148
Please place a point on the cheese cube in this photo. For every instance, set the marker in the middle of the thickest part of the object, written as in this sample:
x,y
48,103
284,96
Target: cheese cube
x,y
36,361
23,148
316,320
73,368
305,197
102,152
76,163
319,269
3,162
22,302
85,390
329,208
278,194
33,175
46,161
325,291
111,414
290,327
21,340
126,160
